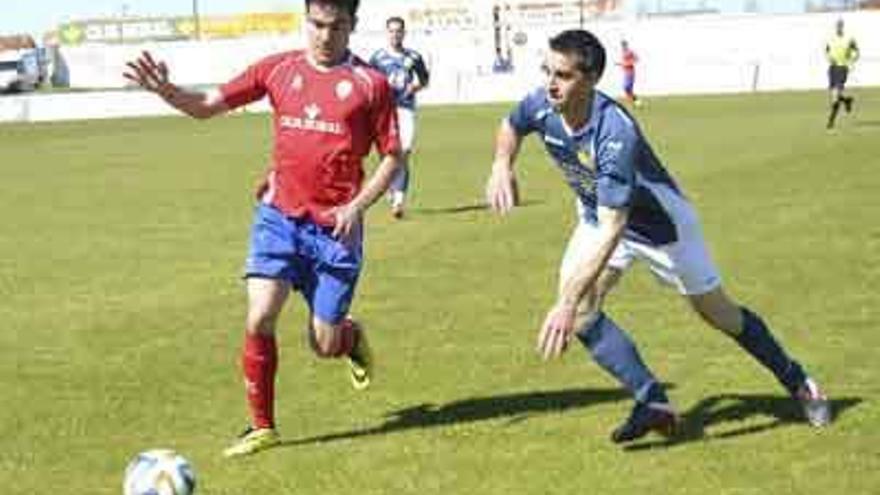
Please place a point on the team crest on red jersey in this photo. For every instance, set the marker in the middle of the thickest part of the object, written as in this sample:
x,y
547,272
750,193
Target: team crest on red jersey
x,y
297,83
343,89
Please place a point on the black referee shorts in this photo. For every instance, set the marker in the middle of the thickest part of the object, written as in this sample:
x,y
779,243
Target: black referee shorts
x,y
837,76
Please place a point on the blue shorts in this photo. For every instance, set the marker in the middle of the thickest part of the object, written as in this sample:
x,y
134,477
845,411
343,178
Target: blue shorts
x,y
629,81
320,267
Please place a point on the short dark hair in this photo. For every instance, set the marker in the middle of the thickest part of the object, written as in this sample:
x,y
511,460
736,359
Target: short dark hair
x,y
351,6
396,19
585,46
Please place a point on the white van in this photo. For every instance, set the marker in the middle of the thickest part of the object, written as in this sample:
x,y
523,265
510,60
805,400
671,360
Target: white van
x,y
21,70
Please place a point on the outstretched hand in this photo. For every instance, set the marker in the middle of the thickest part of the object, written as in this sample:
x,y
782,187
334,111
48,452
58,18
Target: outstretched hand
x,y
347,221
556,332
147,73
502,191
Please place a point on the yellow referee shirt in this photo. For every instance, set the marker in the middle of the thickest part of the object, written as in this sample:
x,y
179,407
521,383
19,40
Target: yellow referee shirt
x,y
842,50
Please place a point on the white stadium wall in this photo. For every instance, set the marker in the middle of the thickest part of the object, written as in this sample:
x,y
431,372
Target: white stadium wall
x,y
681,55
678,55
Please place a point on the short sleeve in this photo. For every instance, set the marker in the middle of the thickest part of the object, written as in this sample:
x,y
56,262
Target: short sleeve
x,y
420,69
384,119
250,85
524,116
374,59
616,155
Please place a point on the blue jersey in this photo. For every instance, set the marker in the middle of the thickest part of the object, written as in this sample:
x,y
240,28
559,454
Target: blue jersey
x,y
608,162
401,69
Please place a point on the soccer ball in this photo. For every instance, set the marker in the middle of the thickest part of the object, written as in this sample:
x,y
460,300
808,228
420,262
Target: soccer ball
x,y
159,472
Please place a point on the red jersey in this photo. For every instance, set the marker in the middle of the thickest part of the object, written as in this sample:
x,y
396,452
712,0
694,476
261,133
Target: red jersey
x,y
629,60
325,122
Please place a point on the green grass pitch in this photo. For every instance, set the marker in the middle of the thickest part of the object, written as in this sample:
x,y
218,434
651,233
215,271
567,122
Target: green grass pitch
x,y
121,244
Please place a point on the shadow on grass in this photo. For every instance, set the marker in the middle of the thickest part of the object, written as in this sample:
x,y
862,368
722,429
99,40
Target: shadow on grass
x,y
867,123
452,210
722,412
516,407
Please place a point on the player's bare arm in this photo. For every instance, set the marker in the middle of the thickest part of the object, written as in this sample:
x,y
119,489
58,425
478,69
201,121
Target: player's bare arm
x,y
414,87
502,193
153,76
419,83
560,321
422,76
348,215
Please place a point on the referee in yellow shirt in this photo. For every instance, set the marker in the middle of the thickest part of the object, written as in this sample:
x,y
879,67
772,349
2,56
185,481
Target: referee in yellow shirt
x,y
842,52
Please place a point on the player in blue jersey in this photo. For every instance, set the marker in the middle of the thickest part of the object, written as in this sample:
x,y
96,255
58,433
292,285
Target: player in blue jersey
x,y
408,74
630,209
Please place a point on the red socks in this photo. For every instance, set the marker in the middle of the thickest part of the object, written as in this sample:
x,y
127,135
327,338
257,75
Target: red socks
x,y
348,337
259,361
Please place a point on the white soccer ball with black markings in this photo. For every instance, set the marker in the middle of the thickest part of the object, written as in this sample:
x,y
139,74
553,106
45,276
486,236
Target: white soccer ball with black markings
x,y
159,472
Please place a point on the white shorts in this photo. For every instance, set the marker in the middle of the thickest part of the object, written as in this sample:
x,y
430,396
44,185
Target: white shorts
x,y
406,121
684,264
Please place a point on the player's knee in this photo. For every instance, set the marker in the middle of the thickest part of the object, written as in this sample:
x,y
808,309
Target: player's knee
x,y
324,347
260,322
719,311
325,339
588,308
584,322
587,313
727,317
323,342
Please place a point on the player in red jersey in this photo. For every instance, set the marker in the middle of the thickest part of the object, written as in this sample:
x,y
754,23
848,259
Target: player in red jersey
x,y
628,61
330,108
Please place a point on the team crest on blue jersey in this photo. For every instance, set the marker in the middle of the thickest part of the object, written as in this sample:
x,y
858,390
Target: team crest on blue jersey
x,y
586,160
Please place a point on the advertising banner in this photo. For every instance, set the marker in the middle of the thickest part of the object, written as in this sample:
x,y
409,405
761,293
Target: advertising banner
x,y
138,30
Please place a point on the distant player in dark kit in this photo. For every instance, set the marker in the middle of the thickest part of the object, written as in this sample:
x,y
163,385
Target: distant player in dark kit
x,y
330,109
842,52
629,209
408,75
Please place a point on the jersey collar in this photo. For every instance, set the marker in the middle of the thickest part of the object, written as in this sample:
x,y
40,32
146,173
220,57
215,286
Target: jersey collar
x,y
346,61
589,128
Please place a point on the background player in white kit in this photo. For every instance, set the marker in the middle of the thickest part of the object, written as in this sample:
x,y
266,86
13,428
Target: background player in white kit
x,y
407,74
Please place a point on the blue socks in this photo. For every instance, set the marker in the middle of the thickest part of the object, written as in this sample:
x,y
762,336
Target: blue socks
x,y
612,349
757,340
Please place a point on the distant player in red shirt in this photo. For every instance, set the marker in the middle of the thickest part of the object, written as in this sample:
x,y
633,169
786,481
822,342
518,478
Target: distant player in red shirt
x,y
628,61
330,108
